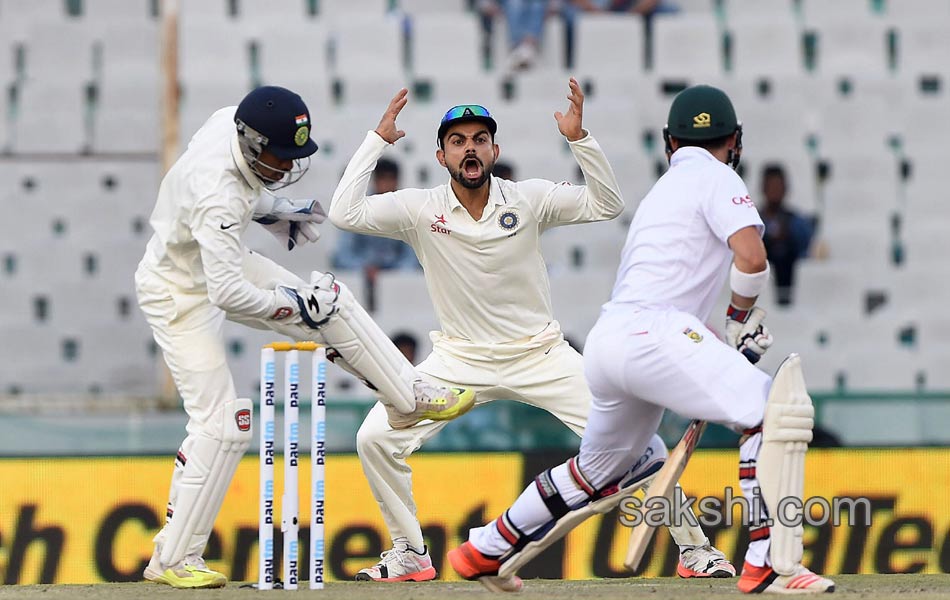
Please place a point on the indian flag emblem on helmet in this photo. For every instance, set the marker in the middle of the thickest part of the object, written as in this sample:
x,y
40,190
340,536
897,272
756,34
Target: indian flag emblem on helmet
x,y
302,119
303,133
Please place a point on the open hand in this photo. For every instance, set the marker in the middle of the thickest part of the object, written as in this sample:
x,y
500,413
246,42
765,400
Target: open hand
x,y
570,124
387,124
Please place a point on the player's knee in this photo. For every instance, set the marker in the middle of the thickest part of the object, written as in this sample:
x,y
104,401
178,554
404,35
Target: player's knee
x,y
370,437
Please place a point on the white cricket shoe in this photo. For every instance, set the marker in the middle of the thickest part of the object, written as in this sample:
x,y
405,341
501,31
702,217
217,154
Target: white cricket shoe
x,y
433,402
704,561
400,564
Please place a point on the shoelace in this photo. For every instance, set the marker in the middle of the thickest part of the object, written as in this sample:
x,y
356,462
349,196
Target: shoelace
x,y
698,554
392,556
431,394
194,560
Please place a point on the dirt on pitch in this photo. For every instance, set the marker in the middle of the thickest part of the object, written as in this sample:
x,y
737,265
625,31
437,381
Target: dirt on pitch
x,y
863,587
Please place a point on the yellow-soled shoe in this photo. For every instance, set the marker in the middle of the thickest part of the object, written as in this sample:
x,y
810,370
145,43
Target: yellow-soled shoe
x,y
192,572
435,403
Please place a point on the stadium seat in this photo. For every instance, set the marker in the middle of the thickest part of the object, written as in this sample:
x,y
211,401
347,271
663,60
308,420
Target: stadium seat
x,y
282,13
340,12
279,58
51,117
921,46
780,10
687,46
367,44
127,104
608,45
750,34
121,10
403,304
842,11
428,7
912,12
431,35
697,6
577,297
830,286
856,47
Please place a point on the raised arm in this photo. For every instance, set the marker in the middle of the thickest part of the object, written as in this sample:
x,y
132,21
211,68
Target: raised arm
x,y
383,214
599,199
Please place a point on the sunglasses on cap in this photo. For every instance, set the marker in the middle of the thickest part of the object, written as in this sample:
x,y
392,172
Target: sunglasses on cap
x,y
466,112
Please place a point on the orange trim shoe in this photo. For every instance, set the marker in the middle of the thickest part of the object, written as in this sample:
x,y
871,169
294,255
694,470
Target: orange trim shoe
x,y
764,580
473,565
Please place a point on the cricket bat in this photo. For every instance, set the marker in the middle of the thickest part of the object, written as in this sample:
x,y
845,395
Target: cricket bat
x,y
662,486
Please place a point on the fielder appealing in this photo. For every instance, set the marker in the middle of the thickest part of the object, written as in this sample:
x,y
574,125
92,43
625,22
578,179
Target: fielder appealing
x,y
478,239
650,350
196,273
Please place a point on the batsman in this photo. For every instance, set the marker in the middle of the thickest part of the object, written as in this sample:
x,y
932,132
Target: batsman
x,y
650,350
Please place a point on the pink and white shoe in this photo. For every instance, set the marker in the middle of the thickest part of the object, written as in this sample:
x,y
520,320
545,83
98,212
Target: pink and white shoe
x,y
400,564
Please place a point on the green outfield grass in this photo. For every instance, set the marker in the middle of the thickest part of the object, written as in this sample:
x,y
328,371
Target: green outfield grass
x,y
863,587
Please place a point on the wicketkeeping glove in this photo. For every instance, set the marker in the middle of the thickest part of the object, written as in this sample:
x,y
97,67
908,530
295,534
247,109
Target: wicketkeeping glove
x,y
746,333
317,301
292,222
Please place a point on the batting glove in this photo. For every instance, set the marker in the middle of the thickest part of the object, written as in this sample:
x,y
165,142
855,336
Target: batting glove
x,y
746,333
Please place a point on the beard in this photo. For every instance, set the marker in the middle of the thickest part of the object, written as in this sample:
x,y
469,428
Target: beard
x,y
472,184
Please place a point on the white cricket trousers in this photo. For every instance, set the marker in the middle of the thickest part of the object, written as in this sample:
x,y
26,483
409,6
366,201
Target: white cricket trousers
x,y
189,330
639,363
543,371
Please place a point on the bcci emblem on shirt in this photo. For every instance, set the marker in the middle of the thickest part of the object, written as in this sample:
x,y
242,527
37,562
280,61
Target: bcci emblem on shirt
x,y
508,220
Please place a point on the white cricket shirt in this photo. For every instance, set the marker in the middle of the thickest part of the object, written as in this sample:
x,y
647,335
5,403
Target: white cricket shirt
x,y
205,203
487,278
677,253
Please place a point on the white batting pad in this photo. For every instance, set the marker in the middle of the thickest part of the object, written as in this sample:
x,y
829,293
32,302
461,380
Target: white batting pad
x,y
370,353
209,467
786,431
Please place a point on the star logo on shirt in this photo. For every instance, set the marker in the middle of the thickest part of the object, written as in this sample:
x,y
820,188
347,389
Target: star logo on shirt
x,y
437,225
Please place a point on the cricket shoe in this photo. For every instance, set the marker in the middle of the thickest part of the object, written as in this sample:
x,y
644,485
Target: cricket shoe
x,y
400,564
704,561
473,565
433,402
191,572
764,580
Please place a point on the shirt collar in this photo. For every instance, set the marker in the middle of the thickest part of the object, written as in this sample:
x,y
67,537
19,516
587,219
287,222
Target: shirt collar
x,y
245,169
495,196
688,153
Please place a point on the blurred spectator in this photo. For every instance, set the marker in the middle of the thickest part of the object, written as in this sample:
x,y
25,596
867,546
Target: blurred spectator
x,y
787,233
371,254
525,20
407,344
504,170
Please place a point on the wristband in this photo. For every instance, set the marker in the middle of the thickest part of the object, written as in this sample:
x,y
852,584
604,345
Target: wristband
x,y
748,285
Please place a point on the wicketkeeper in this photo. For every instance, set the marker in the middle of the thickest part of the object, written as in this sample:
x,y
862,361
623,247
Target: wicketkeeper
x,y
196,273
